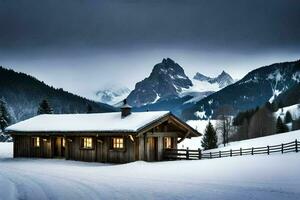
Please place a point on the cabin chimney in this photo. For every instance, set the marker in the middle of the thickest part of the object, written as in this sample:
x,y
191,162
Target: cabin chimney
x,y
125,109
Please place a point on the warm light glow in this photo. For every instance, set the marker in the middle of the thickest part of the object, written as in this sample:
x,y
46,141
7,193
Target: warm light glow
x,y
87,143
167,142
63,142
36,141
131,137
118,143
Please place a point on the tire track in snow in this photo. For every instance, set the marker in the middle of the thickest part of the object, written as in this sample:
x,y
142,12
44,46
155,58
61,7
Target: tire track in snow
x,y
24,186
44,186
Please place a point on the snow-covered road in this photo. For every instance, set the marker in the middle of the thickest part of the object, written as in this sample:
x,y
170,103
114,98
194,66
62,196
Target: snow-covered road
x,y
247,177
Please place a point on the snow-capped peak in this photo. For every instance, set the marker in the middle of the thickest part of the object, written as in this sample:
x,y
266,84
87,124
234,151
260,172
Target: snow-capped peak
x,y
112,95
167,79
222,80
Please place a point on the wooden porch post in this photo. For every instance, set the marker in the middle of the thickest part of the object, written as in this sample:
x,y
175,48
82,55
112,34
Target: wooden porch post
x,y
160,147
141,147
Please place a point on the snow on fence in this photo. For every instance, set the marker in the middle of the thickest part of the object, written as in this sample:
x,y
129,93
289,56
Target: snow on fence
x,y
188,154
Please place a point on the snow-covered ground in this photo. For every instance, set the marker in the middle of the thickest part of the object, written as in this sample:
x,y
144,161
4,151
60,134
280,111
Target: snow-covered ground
x,y
247,177
276,139
262,141
294,110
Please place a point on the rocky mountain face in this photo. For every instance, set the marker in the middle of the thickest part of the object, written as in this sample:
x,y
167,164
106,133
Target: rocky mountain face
x,y
223,80
112,95
23,93
255,89
168,88
166,80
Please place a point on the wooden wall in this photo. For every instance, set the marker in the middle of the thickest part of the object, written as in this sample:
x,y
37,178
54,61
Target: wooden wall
x,y
75,152
148,147
23,147
101,151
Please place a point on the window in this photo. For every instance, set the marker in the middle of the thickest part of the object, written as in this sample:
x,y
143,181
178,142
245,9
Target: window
x,y
87,143
36,141
118,143
167,142
63,142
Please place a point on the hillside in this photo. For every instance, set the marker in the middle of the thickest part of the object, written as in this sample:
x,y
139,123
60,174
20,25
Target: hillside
x,y
256,88
23,93
256,142
290,96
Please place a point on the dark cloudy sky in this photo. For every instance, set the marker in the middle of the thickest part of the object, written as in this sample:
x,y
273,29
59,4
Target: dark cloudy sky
x,y
85,45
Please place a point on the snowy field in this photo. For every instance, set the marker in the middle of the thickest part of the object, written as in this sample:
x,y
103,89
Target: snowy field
x,y
263,141
276,139
248,177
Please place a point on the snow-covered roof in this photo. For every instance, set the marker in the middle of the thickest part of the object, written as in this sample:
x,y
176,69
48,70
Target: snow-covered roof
x,y
100,122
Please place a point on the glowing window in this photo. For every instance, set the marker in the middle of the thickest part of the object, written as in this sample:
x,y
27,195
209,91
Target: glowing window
x,y
87,143
167,142
36,141
118,143
63,142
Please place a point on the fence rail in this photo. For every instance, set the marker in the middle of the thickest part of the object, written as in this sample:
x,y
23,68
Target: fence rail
x,y
189,154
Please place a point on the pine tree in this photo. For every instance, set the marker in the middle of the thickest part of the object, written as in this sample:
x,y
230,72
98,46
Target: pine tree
x,y
280,104
262,123
44,108
89,109
288,118
5,118
210,139
296,124
274,106
269,106
280,126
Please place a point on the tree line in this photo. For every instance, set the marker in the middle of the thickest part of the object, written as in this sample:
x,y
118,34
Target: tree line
x,y
44,108
252,123
261,121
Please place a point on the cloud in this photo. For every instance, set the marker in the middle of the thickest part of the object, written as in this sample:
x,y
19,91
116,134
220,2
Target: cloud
x,y
81,45
211,24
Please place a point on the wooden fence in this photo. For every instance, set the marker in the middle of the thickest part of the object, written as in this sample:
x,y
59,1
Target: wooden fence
x,y
188,154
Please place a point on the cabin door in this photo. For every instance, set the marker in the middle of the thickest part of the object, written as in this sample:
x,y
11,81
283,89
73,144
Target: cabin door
x,y
59,147
99,150
152,149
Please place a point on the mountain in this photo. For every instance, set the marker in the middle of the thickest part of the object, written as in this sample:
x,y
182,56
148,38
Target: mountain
x,y
256,88
174,104
169,88
23,93
290,97
112,95
223,80
166,80
204,86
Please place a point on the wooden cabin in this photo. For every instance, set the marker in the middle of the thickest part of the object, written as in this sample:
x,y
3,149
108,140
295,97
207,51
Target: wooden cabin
x,y
118,137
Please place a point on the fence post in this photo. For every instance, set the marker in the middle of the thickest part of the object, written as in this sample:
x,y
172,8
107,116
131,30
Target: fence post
x,y
281,148
296,146
252,151
241,151
230,152
210,155
199,152
187,154
220,154
268,149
